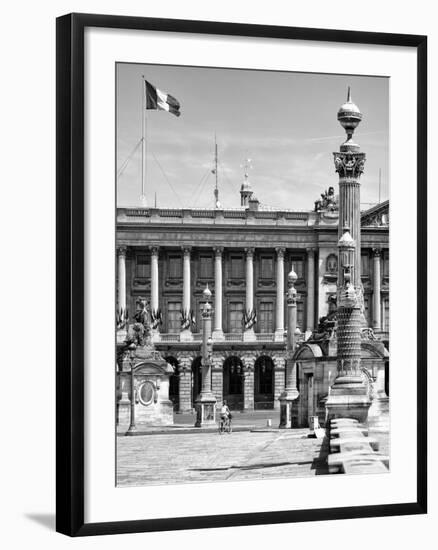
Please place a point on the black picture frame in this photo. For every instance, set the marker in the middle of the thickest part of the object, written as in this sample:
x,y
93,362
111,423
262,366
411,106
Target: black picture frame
x,y
70,272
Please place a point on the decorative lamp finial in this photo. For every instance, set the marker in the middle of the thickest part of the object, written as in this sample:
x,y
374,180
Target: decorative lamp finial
x,y
207,293
349,116
292,291
292,277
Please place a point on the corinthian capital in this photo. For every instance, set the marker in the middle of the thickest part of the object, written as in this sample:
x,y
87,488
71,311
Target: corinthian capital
x,y
218,250
186,250
349,164
249,252
280,252
121,250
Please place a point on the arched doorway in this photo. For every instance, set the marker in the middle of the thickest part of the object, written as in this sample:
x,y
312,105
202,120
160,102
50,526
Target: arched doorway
x,y
196,378
264,383
233,382
174,382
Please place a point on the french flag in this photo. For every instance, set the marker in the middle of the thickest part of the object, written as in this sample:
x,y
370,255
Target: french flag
x,y
158,100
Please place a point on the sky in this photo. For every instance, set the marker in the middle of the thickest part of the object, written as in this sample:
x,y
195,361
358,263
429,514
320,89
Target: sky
x,y
284,122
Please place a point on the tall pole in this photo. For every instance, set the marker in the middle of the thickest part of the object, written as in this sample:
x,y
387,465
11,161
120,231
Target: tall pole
x,y
290,392
216,189
143,141
206,401
206,344
349,394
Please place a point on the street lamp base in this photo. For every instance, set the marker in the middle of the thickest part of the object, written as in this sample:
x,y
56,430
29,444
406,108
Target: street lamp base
x,y
205,412
286,400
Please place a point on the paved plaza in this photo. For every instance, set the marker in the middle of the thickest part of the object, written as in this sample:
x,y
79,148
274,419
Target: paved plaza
x,y
171,458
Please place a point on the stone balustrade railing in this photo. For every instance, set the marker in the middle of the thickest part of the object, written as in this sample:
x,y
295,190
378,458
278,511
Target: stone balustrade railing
x,y
229,337
352,451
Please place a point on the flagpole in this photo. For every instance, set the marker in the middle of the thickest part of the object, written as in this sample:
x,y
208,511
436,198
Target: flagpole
x,y
143,142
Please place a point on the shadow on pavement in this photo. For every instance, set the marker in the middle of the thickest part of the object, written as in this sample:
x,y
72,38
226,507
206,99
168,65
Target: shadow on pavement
x,y
320,463
252,466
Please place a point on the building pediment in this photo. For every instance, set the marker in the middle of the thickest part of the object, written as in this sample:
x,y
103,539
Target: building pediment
x,y
376,216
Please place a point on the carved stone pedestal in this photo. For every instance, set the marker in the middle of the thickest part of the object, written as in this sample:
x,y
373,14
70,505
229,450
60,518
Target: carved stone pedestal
x,y
205,410
348,399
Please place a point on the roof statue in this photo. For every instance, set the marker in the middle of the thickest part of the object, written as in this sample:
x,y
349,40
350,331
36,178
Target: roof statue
x,y
328,201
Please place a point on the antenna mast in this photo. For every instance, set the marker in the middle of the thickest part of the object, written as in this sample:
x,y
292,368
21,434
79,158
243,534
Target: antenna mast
x,y
216,189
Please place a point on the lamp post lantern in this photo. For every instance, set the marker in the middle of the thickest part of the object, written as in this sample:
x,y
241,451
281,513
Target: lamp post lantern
x,y
206,401
290,393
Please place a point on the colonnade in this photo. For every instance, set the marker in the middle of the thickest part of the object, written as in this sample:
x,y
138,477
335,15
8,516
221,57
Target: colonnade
x,y
218,332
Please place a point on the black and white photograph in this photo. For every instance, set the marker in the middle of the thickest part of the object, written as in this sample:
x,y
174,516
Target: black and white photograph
x,y
222,214
252,269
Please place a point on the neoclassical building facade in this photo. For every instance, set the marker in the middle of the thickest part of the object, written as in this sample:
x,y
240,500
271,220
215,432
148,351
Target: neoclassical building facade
x,y
244,255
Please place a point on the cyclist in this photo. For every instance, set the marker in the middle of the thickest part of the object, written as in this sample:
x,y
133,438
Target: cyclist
x,y
225,414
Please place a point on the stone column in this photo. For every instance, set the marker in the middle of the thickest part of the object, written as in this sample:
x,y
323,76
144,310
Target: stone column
x,y
185,385
218,333
186,331
248,383
348,397
121,255
377,322
154,277
155,291
249,335
279,319
310,323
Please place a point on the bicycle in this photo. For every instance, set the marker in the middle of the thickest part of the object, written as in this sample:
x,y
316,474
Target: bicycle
x,y
225,425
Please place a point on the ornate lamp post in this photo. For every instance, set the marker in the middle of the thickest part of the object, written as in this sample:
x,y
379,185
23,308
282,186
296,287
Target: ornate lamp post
x,y
132,427
290,393
349,396
206,401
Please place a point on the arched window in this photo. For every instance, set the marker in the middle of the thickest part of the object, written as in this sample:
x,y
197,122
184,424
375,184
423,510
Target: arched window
x,y
233,373
264,383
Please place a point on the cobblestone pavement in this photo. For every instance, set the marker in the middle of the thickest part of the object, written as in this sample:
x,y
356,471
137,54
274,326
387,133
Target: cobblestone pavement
x,y
181,458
